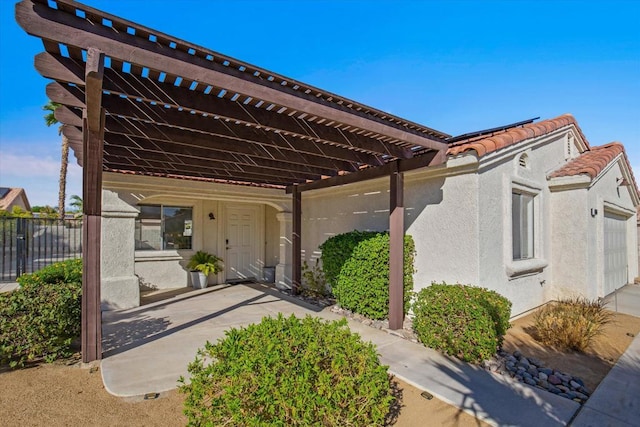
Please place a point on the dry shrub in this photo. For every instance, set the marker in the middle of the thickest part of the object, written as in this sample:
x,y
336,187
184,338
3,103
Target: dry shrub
x,y
572,323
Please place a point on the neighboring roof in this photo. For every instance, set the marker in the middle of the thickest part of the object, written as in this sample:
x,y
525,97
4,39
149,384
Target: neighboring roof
x,y
590,162
9,196
484,144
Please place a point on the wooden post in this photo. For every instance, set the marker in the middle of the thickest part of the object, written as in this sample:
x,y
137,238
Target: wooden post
x,y
296,267
396,250
92,135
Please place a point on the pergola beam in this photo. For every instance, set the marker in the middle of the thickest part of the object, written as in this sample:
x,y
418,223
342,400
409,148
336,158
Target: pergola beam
x,y
428,159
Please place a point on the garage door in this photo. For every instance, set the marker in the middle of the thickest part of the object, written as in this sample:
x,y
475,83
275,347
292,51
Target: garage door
x,y
615,252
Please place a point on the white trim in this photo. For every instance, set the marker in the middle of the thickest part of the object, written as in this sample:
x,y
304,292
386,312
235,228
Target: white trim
x,y
523,267
564,183
151,255
520,267
617,209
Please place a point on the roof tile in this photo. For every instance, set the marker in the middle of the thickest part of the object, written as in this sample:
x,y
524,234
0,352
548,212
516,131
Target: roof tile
x,y
487,144
593,162
590,162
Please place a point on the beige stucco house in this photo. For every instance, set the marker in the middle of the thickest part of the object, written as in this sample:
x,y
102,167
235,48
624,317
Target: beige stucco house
x,y
184,148
531,211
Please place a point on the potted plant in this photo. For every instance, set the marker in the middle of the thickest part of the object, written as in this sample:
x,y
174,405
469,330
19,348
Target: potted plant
x,y
202,264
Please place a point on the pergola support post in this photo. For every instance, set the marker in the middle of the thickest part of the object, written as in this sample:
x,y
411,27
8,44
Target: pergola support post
x,y
296,235
93,136
396,250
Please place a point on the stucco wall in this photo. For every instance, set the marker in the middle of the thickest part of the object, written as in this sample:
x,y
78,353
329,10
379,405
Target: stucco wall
x,y
272,237
606,195
526,283
571,222
441,215
578,251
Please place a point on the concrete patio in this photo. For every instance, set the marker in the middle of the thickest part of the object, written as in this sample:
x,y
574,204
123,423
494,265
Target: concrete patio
x,y
148,348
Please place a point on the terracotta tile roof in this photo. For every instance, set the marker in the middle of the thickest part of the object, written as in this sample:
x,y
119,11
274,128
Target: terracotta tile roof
x,y
484,144
594,161
590,162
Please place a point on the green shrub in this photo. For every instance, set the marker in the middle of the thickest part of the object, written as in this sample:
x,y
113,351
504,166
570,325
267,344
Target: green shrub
x,y
337,250
288,371
463,321
313,281
571,324
41,318
363,283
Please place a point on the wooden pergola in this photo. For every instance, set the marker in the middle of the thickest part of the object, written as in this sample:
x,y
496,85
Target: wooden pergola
x,y
135,100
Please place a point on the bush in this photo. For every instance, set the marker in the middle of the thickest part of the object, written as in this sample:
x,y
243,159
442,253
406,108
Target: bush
x,y
288,371
314,283
363,283
463,321
337,250
571,324
42,317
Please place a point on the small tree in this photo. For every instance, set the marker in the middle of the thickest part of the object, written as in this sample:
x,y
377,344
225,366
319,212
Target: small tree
x,y
50,120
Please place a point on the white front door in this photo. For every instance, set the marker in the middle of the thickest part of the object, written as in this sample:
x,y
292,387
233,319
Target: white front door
x,y
615,252
241,238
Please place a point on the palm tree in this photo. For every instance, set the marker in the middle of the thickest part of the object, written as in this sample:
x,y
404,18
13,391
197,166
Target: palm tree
x,y
77,205
49,120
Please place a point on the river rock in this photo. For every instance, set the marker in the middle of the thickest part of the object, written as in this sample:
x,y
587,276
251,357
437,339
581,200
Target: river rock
x,y
554,380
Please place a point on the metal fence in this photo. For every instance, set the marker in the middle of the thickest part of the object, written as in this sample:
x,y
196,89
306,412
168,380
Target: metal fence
x,y
28,244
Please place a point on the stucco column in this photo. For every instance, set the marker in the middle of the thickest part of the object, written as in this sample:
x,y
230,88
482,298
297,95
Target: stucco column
x,y
119,285
283,269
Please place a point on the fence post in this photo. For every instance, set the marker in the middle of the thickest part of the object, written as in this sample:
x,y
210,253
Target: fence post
x,y
21,253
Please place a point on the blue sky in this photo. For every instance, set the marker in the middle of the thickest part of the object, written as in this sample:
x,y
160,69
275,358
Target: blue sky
x,y
456,66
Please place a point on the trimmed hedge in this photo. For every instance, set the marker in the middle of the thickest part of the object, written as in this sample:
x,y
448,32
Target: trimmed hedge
x,y
288,371
463,321
362,285
40,319
337,250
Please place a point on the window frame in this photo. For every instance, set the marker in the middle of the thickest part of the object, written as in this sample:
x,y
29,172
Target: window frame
x,y
163,233
516,267
523,226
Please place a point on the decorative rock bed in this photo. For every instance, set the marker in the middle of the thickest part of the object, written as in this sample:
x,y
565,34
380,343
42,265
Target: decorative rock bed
x,y
530,370
534,372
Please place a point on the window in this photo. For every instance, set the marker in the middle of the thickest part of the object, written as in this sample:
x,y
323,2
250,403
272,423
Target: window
x,y
161,227
522,225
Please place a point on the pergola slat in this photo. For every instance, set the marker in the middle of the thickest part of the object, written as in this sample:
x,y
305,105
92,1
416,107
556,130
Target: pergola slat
x,y
41,21
135,86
